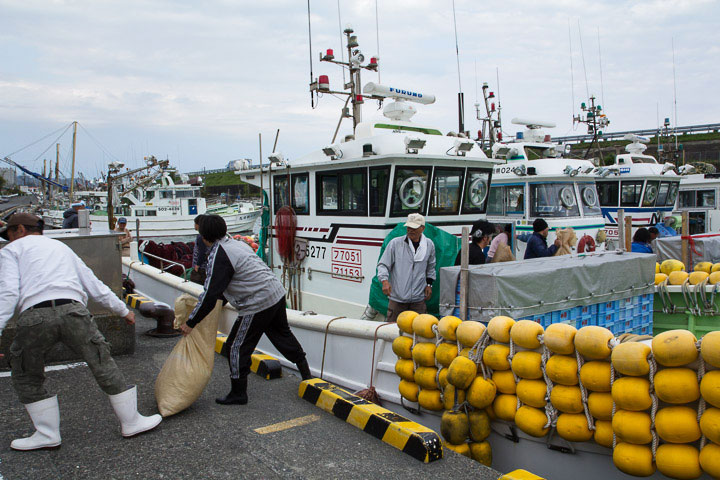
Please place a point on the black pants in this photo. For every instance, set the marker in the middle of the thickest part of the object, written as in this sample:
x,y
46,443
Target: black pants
x,y
247,330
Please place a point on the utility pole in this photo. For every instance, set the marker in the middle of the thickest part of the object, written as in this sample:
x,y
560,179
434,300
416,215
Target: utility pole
x,y
72,175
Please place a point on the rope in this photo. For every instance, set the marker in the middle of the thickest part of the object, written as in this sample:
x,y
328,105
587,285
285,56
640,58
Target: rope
x,y
583,392
701,403
510,357
614,407
327,329
476,353
550,411
653,396
372,364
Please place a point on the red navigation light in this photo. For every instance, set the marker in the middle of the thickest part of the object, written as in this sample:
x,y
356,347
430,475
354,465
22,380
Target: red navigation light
x,y
329,55
499,136
479,134
324,83
373,61
492,95
546,139
358,99
492,107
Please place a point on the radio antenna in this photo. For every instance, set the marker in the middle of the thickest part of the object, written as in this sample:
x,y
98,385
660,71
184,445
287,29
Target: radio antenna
x,y
461,100
572,75
582,51
674,93
340,31
377,36
312,92
602,88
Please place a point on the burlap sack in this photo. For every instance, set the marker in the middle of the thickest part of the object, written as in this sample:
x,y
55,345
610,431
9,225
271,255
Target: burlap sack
x,y
503,254
189,366
568,240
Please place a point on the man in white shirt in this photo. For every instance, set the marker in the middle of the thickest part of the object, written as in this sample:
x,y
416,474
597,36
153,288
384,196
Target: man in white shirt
x,y
48,285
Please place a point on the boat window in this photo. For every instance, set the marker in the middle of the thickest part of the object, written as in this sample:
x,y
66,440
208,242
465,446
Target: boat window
x,y
301,198
589,199
687,198
139,213
406,128
672,193
608,193
630,193
280,192
535,153
476,191
446,189
151,213
495,201
183,194
150,195
166,194
651,193
379,181
663,194
409,191
553,200
342,192
706,198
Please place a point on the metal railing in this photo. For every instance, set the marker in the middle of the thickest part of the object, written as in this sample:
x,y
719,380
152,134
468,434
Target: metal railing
x,y
164,269
709,127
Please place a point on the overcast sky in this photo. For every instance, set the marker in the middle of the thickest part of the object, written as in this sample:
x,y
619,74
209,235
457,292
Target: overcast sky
x,y
197,81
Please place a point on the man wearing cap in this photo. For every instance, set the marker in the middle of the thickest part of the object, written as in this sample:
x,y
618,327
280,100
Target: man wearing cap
x,y
125,240
537,243
407,269
70,216
48,285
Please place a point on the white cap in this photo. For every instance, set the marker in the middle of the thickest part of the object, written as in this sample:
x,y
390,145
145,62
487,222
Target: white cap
x,y
415,220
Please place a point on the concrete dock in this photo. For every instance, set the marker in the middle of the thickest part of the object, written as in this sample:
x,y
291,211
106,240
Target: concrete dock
x,y
207,440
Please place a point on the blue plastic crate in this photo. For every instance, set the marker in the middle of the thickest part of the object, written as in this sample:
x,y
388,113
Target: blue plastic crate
x,y
607,307
584,322
608,320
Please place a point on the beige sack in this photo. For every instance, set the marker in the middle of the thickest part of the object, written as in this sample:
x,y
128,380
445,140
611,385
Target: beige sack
x,y
568,240
503,254
189,366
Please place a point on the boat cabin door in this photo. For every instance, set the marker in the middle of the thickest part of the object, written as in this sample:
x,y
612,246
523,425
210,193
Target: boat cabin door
x,y
192,206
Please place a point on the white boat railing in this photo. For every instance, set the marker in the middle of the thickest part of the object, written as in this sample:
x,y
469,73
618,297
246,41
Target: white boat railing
x,y
162,262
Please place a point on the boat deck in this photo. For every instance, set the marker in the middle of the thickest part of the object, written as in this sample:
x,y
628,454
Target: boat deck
x,y
207,440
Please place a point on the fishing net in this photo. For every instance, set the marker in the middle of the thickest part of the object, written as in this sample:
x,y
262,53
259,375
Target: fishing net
x,y
285,225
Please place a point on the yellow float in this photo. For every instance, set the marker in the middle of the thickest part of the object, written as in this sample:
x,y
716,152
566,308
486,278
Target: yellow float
x,y
525,333
409,390
677,424
600,405
532,392
424,354
710,388
445,353
430,400
593,342
573,427
495,357
675,348
402,347
710,348
447,327
461,372
631,358
504,381
481,393
677,278
405,321
468,333
560,338
499,328
527,364
562,369
595,376
423,325
678,461
405,369
425,377
532,421
567,399
454,426
632,427
677,385
632,393
669,266
634,459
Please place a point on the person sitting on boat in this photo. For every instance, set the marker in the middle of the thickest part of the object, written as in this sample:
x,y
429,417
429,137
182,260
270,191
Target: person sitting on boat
x,y
537,243
641,241
70,216
125,240
200,253
502,238
407,269
654,233
49,285
236,274
479,239
667,227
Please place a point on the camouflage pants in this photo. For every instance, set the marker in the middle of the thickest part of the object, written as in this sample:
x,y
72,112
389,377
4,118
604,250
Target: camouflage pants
x,y
38,329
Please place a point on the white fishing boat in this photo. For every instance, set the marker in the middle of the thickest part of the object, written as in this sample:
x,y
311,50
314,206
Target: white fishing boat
x,y
699,193
535,181
645,189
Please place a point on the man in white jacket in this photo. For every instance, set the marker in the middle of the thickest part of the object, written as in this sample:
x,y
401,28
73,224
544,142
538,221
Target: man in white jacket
x,y
48,285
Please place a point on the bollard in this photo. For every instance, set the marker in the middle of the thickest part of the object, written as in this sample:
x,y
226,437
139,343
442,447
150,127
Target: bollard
x,y
165,317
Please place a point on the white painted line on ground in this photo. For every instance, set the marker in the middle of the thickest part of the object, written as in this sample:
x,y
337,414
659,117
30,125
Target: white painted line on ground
x,y
296,422
52,368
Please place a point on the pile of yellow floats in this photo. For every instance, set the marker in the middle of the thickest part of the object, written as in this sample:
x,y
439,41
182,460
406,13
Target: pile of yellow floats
x,y
673,272
658,408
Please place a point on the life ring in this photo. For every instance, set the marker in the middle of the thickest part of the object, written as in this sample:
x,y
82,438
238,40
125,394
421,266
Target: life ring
x,y
586,244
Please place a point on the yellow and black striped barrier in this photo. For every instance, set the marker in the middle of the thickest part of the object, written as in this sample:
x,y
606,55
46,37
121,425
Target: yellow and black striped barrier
x,y
412,438
520,475
264,365
135,300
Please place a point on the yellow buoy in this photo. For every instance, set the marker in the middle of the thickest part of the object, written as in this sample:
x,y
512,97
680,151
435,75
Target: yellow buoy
x,y
402,347
525,333
405,369
631,358
505,407
632,393
424,354
430,400
495,357
465,352
469,332
715,268
405,321
504,381
660,278
710,424
633,459
710,460
562,369
710,348
677,385
710,387
481,392
632,427
449,397
600,405
422,325
447,327
567,399
592,342
595,376
714,278
677,278
442,378
657,267
409,390
463,449
445,353
479,425
573,427
481,453
678,461
674,348
461,372
669,266
527,364
603,433
560,338
425,377
697,277
454,426
532,421
703,267
532,392
499,328
677,424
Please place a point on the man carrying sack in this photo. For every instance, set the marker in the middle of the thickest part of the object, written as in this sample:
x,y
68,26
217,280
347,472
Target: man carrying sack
x,y
236,274
49,285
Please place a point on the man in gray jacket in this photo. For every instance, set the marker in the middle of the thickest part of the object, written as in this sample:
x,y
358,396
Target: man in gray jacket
x,y
407,269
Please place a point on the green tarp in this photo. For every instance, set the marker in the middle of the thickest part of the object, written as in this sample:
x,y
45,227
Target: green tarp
x,y
447,247
264,229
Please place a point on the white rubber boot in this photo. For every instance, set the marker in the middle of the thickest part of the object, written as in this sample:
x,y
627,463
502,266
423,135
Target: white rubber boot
x,y
45,415
132,423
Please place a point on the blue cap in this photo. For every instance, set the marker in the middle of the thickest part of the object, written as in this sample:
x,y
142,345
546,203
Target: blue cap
x,y
122,220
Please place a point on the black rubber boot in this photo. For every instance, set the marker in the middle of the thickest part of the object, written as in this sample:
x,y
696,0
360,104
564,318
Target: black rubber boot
x,y
304,369
238,393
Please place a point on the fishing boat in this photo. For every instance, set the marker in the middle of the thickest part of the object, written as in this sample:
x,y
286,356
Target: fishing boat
x,y
699,197
535,181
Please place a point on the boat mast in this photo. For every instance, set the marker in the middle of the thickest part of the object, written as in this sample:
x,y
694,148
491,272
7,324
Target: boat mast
x,y
72,174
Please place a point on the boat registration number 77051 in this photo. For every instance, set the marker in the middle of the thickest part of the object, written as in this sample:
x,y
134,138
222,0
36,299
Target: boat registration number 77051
x,y
347,264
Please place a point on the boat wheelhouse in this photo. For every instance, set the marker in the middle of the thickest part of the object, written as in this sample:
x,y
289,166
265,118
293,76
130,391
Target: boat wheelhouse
x,y
698,196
